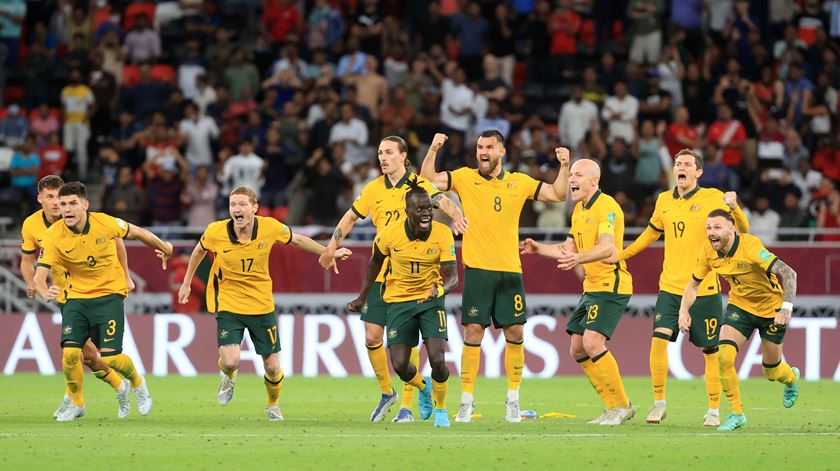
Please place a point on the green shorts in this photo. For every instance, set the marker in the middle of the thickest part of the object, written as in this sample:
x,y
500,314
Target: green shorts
x,y
408,318
375,308
745,322
100,319
706,315
599,312
230,328
493,295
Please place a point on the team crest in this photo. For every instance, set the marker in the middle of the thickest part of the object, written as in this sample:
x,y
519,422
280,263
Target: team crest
x,y
101,240
262,245
695,208
472,312
658,317
589,220
67,330
733,316
742,264
392,334
432,250
223,334
511,186
364,309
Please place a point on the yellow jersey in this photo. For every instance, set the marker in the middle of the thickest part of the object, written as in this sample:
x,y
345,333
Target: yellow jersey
x,y
77,101
493,206
240,279
32,235
682,220
746,266
89,257
601,215
413,261
384,203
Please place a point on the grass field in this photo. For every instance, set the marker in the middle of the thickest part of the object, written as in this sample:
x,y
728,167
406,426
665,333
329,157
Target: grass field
x,y
327,427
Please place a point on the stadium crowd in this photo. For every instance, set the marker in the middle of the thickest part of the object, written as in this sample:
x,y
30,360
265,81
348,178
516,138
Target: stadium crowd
x,y
170,105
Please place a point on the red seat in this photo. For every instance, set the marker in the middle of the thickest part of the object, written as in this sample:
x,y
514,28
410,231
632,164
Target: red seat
x,y
263,211
280,213
163,73
134,9
54,112
131,75
520,74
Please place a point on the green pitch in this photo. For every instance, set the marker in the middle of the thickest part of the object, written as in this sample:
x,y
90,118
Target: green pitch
x,y
327,427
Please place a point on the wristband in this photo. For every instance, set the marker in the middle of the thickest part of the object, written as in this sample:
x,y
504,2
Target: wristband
x,y
787,305
439,291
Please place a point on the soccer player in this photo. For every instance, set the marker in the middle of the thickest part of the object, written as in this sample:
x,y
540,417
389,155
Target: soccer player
x,y
240,293
418,251
756,301
95,291
680,216
492,199
32,234
383,200
597,233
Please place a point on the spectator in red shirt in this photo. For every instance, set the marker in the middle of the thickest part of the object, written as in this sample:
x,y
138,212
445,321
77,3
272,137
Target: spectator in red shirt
x,y
681,135
563,25
53,157
280,18
177,271
729,135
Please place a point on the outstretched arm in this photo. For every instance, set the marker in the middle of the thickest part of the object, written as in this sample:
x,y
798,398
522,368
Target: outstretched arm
x,y
305,243
557,191
647,237
342,230
163,250
788,278
453,211
555,251
196,257
373,269
427,170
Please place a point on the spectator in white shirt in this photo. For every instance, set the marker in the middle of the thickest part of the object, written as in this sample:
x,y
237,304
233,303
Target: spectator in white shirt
x,y
807,180
764,222
142,44
244,169
457,101
205,94
198,131
620,111
353,133
576,116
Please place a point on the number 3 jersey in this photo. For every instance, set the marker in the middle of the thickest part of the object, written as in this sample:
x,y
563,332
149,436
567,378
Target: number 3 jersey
x,y
89,256
240,282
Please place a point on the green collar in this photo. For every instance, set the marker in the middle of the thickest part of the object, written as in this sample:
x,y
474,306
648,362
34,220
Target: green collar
x,y
687,195
733,249
85,229
591,201
399,184
410,233
44,217
232,233
488,178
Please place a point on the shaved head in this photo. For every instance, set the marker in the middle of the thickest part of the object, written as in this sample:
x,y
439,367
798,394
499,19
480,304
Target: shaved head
x,y
583,179
589,167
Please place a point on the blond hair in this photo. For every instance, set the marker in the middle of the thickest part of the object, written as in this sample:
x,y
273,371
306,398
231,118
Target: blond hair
x,y
244,190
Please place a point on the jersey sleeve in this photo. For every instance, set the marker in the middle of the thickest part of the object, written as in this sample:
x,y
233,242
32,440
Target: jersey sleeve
x,y
447,252
607,218
207,240
760,256
284,233
701,267
114,227
49,252
455,179
28,242
655,222
531,187
429,187
362,205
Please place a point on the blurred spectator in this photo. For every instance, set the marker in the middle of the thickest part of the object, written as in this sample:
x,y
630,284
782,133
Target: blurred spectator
x,y
282,20
200,197
783,46
645,29
368,25
113,55
538,43
78,106
764,222
576,116
826,158
163,191
471,32
397,107
680,134
820,105
795,151
35,68
177,272
771,145
110,165
14,127
715,173
620,112
828,215
325,183
618,170
53,156
655,103
793,217
79,24
671,73
371,87
12,14
103,85
191,65
502,43
126,201
24,171
146,96
592,90
807,180
563,25
198,132
456,99
493,120
648,172
242,78
204,95
325,26
142,43
729,135
352,132
277,172
243,169
77,56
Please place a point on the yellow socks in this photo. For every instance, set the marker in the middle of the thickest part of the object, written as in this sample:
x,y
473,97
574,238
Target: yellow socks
x,y
74,374
417,381
470,362
439,394
123,364
514,364
273,385
659,364
379,362
110,377
595,379
713,378
409,390
729,377
780,372
605,363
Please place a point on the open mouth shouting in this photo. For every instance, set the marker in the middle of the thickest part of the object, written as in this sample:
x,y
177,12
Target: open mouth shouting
x,y
239,218
681,177
484,162
425,222
575,189
715,240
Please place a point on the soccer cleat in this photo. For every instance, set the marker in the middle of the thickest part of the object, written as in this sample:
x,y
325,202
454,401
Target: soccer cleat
x,y
512,412
425,400
143,398
123,400
225,394
734,421
712,418
72,413
404,416
619,415
383,407
600,418
656,415
465,412
62,407
441,419
273,413
792,391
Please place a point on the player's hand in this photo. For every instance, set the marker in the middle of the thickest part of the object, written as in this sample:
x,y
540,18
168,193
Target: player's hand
x,y
343,253
356,305
730,199
460,226
562,155
165,254
327,259
437,141
528,246
52,293
684,322
433,294
184,293
612,258
129,283
568,261
782,317
30,291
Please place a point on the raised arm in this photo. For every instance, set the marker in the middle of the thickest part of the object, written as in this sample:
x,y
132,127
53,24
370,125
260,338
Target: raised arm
x,y
342,230
742,223
787,276
373,269
647,237
557,191
427,170
453,211
196,257
163,250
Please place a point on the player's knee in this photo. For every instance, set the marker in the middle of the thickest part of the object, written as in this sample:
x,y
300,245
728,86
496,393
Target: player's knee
x,y
70,356
593,345
273,371
577,351
401,369
372,339
438,364
229,364
726,362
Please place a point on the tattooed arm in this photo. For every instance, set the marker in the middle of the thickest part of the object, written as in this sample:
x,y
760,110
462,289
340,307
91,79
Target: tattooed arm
x,y
453,211
788,278
341,231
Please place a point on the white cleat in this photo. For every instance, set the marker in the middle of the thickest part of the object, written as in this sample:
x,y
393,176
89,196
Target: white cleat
x,y
465,412
512,412
225,394
143,398
712,418
656,415
123,399
72,413
273,413
65,403
619,415
600,418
